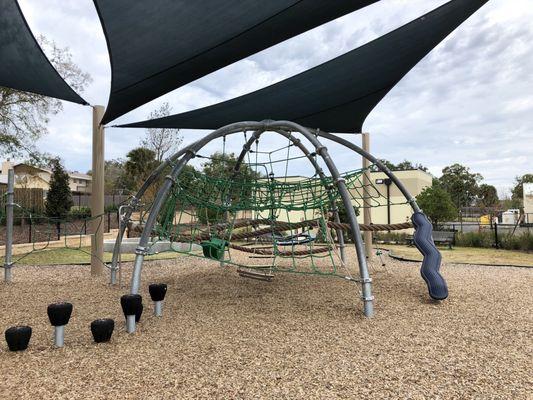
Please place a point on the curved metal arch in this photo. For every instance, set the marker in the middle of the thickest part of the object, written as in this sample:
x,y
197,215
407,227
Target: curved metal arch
x,y
135,200
410,199
264,125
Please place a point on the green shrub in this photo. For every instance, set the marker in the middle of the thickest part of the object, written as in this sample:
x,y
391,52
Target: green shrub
x,y
80,213
474,239
111,208
523,242
390,237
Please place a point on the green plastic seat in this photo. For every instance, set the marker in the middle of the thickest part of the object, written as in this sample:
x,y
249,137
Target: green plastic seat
x,y
214,248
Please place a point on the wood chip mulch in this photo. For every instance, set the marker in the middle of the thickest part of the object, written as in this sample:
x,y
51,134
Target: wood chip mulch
x,y
223,336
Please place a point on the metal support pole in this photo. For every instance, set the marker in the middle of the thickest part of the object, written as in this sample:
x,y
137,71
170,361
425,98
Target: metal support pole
x,y
130,323
97,193
367,213
9,225
30,225
388,182
158,308
496,243
59,336
116,266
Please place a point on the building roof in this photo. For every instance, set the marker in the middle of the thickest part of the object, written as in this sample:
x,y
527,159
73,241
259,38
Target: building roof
x,y
72,174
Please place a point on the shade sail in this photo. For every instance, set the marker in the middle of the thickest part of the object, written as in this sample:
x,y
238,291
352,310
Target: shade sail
x,y
336,96
159,45
23,65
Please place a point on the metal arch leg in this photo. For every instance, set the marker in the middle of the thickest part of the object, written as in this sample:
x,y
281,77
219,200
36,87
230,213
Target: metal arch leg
x,y
132,206
334,208
189,152
366,281
423,240
141,250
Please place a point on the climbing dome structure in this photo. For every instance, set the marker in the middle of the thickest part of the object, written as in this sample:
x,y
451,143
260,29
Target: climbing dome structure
x,y
280,205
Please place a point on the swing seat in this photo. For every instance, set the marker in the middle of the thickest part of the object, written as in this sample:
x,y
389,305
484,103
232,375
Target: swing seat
x,y
301,238
214,248
260,273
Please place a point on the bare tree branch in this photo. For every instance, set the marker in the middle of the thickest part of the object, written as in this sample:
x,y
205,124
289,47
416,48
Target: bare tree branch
x,y
162,141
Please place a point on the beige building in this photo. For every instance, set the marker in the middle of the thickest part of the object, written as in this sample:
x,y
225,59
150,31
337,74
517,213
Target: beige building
x,y
28,176
414,180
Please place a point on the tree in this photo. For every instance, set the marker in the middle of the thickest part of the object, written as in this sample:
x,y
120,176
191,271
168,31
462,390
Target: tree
x,y
162,141
517,193
387,164
139,165
437,204
59,198
114,176
404,165
222,166
24,116
487,196
461,184
343,214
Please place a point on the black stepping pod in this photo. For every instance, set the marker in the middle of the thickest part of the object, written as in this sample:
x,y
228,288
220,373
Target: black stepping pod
x,y
102,330
59,313
132,305
157,291
18,337
139,313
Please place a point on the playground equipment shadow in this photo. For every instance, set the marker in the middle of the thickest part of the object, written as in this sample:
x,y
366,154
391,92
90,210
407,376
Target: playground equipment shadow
x,y
222,336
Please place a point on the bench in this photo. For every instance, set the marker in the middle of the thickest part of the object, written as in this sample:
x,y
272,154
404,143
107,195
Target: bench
x,y
439,237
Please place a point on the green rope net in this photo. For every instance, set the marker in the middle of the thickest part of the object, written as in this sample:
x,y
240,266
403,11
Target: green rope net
x,y
255,220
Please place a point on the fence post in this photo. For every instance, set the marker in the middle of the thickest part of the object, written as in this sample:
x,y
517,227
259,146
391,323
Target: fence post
x,y
30,231
9,225
108,222
496,244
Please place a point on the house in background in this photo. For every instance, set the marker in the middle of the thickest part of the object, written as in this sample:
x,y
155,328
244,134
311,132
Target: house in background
x,y
30,177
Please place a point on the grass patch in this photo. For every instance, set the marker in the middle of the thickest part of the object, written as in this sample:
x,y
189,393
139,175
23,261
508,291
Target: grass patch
x,y
66,256
469,255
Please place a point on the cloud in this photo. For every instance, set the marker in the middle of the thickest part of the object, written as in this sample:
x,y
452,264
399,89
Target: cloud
x,y
469,101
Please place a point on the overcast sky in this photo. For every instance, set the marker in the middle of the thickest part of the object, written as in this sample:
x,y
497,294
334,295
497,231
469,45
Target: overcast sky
x,y
470,101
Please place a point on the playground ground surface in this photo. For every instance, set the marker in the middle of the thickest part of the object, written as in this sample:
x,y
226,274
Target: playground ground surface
x,y
467,255
222,336
64,255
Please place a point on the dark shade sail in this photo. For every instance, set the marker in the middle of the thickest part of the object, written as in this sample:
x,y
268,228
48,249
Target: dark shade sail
x,y
157,46
336,96
23,65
